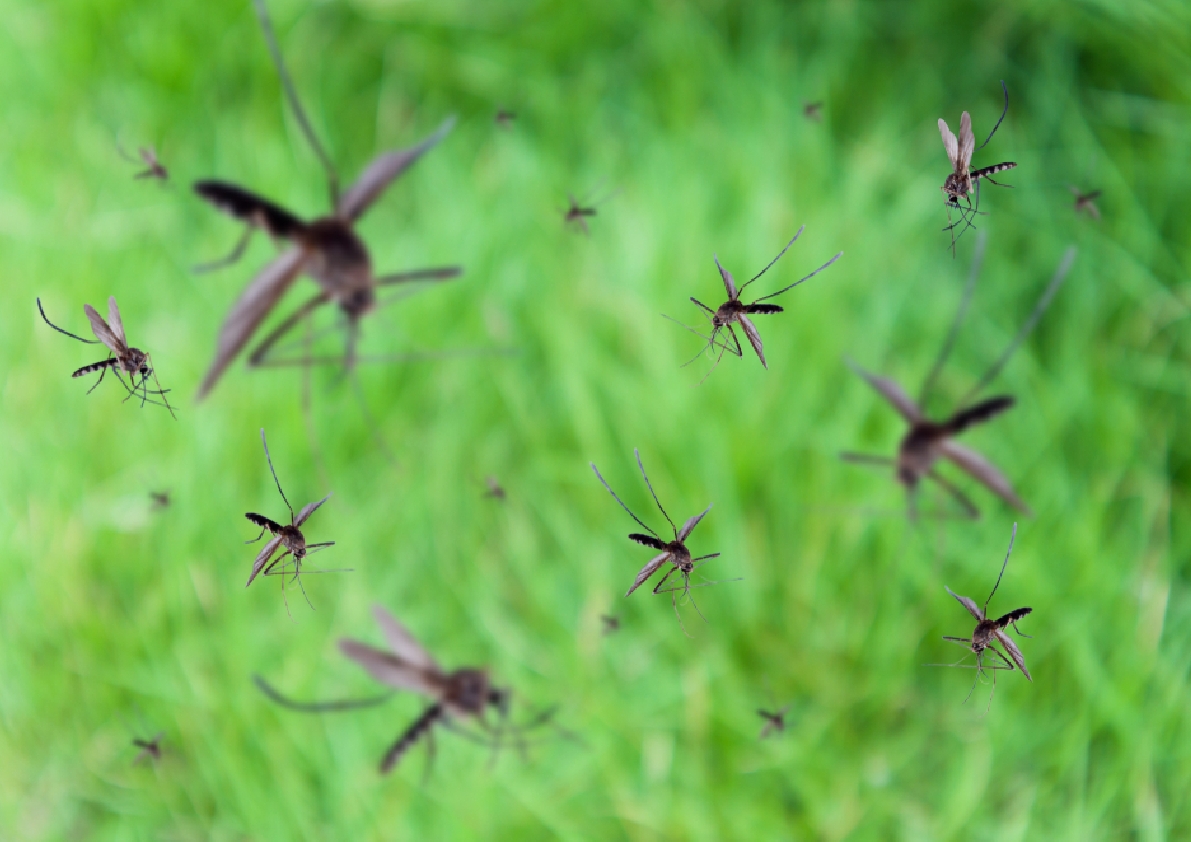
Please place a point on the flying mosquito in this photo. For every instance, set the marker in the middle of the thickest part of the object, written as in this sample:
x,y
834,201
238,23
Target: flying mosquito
x,y
927,440
495,489
675,552
734,311
611,624
1086,202
148,748
458,698
161,499
774,721
504,118
963,181
989,631
578,212
122,358
148,158
327,249
290,537
813,111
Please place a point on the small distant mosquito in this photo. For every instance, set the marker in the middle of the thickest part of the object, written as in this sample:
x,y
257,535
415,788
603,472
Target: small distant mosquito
x,y
675,552
327,249
1086,201
148,157
148,748
505,118
495,489
161,499
290,537
734,311
813,111
123,358
989,631
611,624
927,440
578,212
962,181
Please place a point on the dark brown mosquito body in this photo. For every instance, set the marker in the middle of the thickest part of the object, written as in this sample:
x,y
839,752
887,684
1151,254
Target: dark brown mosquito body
x,y
285,536
327,249
577,213
611,624
736,312
122,360
161,499
813,111
148,749
148,157
1086,202
774,721
927,440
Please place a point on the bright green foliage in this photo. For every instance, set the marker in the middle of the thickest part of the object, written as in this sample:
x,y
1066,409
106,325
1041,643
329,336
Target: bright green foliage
x,y
120,621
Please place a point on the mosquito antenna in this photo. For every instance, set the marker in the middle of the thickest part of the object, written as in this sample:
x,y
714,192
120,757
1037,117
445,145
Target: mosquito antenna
x,y
1003,113
292,95
622,505
60,330
274,473
1002,573
960,314
317,707
1039,308
775,260
800,280
648,485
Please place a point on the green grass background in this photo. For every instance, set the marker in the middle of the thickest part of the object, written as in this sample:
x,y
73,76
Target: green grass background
x,y
119,621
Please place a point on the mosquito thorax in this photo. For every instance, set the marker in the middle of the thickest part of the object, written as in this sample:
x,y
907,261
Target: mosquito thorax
x,y
468,690
293,538
340,262
727,313
916,453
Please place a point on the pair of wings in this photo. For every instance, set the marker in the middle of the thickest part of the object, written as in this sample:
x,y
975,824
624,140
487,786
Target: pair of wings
x,y
658,560
271,282
111,332
267,551
746,325
1003,638
966,459
959,152
406,666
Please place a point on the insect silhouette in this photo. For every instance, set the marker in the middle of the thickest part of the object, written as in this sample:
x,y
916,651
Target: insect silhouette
x,y
504,118
963,181
813,111
674,552
927,440
161,499
290,537
1086,202
148,749
148,158
495,489
327,249
121,358
611,624
734,311
577,213
989,632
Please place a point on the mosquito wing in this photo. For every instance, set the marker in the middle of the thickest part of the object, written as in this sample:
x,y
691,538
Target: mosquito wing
x,y
102,332
950,144
402,642
378,175
981,470
250,310
973,609
729,283
967,142
390,669
892,393
1014,653
263,557
689,526
750,331
115,322
648,570
308,510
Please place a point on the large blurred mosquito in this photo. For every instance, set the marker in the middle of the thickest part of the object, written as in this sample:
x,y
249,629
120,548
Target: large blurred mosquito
x,y
148,158
734,311
327,249
1086,202
989,631
459,698
122,358
290,537
928,440
675,552
578,212
963,182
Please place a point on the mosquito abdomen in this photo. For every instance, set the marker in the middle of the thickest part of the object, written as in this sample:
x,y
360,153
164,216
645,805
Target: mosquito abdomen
x,y
986,410
249,207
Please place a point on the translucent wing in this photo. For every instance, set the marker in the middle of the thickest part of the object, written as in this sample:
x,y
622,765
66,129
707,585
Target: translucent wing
x,y
378,175
892,393
949,143
648,570
729,283
981,470
689,526
263,557
402,642
973,609
115,322
101,330
754,339
250,310
967,141
1014,652
308,510
390,669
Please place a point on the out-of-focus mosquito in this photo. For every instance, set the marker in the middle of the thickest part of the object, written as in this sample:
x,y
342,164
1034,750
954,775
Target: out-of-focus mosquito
x,y
813,111
327,249
122,358
775,720
290,537
577,213
928,440
611,624
989,631
495,489
673,552
1086,202
148,158
504,118
148,748
458,698
161,499
734,311
963,181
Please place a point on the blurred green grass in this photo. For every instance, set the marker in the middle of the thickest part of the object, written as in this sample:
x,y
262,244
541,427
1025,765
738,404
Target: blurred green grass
x,y
116,618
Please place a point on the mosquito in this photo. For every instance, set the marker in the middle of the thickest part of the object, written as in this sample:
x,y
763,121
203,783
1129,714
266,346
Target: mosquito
x,y
989,631
963,181
122,358
148,157
504,118
148,748
327,249
675,552
495,489
1086,201
813,111
774,720
611,624
578,212
290,537
927,440
161,499
734,311
458,698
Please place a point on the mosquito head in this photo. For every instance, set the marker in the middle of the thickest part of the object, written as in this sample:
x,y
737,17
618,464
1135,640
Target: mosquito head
x,y
358,302
469,691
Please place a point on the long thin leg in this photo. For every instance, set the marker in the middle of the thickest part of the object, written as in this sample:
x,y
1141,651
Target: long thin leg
x,y
46,319
1004,111
604,482
968,506
318,707
236,253
960,314
649,485
274,473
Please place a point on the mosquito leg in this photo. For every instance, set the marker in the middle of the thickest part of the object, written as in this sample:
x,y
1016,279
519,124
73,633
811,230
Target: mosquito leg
x,y
102,372
258,537
968,506
317,707
426,770
46,319
236,253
